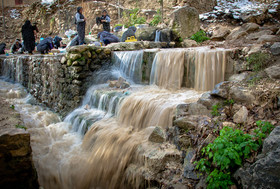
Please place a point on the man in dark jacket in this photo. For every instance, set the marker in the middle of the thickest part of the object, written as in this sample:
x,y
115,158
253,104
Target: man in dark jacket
x,y
107,38
28,36
45,45
80,20
104,20
129,33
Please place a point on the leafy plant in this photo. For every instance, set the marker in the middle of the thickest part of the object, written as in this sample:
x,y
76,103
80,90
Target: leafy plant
x,y
215,110
228,151
20,127
156,19
133,18
200,36
229,102
12,106
116,25
258,61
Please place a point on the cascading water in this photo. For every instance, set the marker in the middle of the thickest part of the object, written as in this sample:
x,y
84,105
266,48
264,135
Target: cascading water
x,y
206,65
95,144
157,38
129,64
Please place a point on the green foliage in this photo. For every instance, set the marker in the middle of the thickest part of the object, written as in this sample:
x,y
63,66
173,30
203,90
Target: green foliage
x,y
258,61
118,25
133,18
229,102
200,36
215,110
157,19
20,127
228,151
12,106
180,39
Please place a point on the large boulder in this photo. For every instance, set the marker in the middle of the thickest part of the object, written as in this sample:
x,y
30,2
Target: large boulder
x,y
275,49
185,21
220,34
241,115
203,6
268,38
257,35
146,34
265,172
273,72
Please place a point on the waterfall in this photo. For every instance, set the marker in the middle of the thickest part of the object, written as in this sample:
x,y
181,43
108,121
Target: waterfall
x,y
129,64
168,69
198,68
157,38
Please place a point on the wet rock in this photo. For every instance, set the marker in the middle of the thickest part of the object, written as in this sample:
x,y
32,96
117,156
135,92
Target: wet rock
x,y
185,21
238,77
69,62
181,110
273,72
275,49
221,90
189,168
158,135
265,172
145,34
239,94
268,38
112,83
250,27
120,83
208,100
241,115
186,123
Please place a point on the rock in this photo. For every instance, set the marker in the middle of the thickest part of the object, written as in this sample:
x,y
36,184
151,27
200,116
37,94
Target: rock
x,y
189,168
74,57
125,85
275,49
255,49
238,77
69,62
257,35
250,27
189,43
220,34
185,21
268,38
112,83
203,6
157,136
273,72
107,51
221,90
234,35
278,32
265,172
198,109
145,34
208,100
186,123
239,94
63,60
241,115
228,124
75,63
166,35
78,49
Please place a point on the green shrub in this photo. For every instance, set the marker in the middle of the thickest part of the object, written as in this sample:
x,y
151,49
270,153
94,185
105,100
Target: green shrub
x,y
257,61
118,25
228,151
200,36
133,18
157,19
20,127
215,110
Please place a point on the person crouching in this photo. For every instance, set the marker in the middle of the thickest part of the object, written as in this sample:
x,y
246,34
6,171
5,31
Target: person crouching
x,y
45,46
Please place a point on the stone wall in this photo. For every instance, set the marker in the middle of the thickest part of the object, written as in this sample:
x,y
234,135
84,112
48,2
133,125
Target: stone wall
x,y
17,169
59,82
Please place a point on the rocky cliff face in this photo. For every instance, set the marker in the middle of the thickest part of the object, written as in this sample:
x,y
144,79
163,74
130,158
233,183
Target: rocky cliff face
x,y
17,169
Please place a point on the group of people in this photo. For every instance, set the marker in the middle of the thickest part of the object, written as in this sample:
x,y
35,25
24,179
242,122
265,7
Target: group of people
x,y
29,35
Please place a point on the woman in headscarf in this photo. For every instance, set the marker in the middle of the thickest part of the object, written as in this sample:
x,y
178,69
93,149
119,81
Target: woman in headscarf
x,y
81,25
28,36
105,20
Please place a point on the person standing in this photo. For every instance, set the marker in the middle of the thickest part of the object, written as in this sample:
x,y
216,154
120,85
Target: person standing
x,y
80,21
28,36
105,20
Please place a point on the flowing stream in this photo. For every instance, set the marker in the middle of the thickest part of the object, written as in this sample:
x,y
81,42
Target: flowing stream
x,y
93,146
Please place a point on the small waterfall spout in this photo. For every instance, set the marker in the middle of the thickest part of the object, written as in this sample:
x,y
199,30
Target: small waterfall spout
x,y
129,63
157,38
168,69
